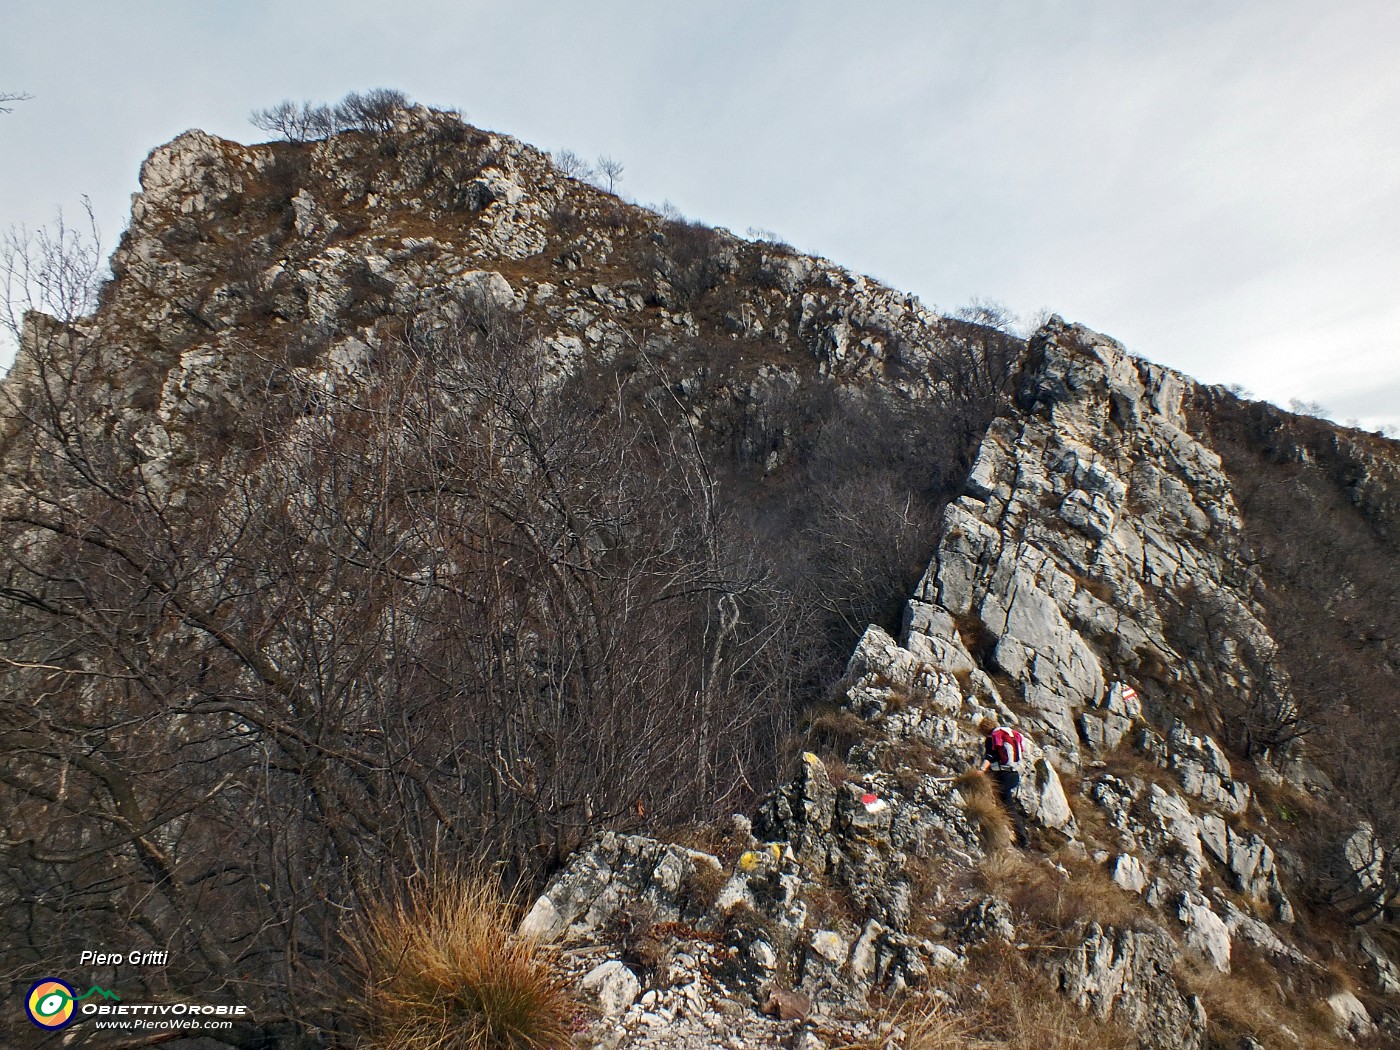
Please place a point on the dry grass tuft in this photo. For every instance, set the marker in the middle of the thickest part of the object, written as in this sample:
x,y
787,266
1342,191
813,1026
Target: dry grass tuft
x,y
933,1025
836,730
1015,1006
1001,1002
925,1024
1268,999
443,971
987,812
1053,901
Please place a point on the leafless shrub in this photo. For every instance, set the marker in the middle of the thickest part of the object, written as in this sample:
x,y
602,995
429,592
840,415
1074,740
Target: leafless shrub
x,y
835,730
1326,550
693,258
766,236
609,171
466,613
988,313
375,110
569,163
296,123
7,97
1308,408
54,271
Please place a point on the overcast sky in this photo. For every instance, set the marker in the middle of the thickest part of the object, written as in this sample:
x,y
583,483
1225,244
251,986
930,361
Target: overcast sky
x,y
1216,184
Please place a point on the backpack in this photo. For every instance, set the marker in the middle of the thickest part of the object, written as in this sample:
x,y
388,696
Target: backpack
x,y
1005,746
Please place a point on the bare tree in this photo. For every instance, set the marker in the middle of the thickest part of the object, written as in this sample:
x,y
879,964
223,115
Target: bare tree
x,y
375,110
569,163
51,272
1308,408
988,312
610,170
6,97
295,123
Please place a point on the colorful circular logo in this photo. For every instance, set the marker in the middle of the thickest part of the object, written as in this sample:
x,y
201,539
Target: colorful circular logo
x,y
50,1003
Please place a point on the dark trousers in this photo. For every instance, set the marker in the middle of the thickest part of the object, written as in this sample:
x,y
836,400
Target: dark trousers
x,y
1007,781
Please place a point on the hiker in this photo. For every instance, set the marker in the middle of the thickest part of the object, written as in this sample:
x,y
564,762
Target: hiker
x,y
1002,750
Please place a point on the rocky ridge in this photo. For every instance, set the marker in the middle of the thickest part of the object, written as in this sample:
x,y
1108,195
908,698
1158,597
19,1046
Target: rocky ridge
x,y
1058,602
341,247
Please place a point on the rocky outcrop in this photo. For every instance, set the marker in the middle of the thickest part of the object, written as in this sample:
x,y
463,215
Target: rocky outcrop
x,y
333,248
618,872
1061,599
1129,975
1094,529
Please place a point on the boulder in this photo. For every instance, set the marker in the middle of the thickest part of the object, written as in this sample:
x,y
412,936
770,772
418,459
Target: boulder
x,y
1043,799
1127,872
1204,770
932,637
1353,1020
1362,868
1387,973
613,872
987,919
611,987
1206,932
1172,826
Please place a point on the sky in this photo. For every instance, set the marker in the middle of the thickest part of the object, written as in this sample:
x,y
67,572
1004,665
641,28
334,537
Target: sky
x,y
1215,183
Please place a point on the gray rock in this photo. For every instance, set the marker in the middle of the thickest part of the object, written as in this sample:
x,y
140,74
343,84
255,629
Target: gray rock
x,y
1042,797
1206,932
865,955
1215,837
987,919
1127,871
1116,798
612,987
1091,514
766,882
1127,975
1246,928
613,872
1352,1017
802,812
1387,973
1204,770
1103,732
932,637
1363,862
1173,825
823,970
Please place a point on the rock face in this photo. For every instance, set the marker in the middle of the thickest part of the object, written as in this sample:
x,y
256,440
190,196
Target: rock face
x,y
617,871
1065,597
340,242
1128,975
612,986
1091,523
